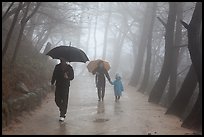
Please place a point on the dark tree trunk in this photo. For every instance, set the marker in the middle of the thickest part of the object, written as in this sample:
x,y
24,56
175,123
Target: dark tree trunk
x,y
12,12
173,75
106,31
23,23
194,119
194,42
17,44
179,104
89,34
43,40
154,62
141,49
159,87
78,43
31,28
39,37
6,13
149,48
95,27
117,51
119,44
11,30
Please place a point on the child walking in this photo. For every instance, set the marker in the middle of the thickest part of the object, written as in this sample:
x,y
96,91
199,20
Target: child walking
x,y
118,87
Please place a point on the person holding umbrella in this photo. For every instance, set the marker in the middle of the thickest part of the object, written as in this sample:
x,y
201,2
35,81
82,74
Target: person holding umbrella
x,y
101,73
62,75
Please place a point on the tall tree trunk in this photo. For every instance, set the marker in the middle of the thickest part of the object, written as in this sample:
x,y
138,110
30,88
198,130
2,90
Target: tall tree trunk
x,y
106,31
39,37
194,42
180,102
3,18
160,84
23,23
178,37
43,40
95,28
117,51
194,119
31,28
119,44
89,34
12,12
149,48
78,43
11,30
154,62
141,49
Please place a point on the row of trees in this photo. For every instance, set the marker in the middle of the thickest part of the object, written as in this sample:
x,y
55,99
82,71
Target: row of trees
x,y
161,64
177,103
162,70
38,22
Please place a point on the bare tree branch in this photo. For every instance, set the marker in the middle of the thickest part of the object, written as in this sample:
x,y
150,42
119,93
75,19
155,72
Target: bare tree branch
x,y
7,10
13,11
162,21
180,46
34,11
185,24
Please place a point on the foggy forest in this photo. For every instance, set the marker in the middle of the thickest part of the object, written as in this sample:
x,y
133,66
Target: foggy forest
x,y
156,47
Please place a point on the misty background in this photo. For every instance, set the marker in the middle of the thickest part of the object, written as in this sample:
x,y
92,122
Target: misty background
x,y
134,37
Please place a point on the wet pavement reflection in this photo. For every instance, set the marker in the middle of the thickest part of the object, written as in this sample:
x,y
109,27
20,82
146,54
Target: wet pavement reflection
x,y
132,114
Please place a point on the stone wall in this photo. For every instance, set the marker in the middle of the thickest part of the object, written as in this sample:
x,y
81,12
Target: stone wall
x,y
27,102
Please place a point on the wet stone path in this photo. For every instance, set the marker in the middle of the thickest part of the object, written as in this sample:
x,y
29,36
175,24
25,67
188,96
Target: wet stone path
x,y
132,115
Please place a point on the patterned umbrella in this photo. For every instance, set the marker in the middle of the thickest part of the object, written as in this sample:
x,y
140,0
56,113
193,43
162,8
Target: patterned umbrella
x,y
92,65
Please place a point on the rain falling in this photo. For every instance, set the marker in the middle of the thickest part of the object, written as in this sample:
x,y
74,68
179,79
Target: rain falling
x,y
109,68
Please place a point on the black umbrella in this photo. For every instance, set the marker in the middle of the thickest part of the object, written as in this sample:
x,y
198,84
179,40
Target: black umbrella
x,y
71,54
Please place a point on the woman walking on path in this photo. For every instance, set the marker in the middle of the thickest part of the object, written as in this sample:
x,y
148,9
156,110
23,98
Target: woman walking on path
x,y
100,80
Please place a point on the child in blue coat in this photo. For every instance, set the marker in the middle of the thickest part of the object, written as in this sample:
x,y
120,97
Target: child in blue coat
x,y
118,87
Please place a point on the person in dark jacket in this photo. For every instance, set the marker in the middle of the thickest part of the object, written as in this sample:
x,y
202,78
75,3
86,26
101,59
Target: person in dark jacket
x,y
63,73
100,80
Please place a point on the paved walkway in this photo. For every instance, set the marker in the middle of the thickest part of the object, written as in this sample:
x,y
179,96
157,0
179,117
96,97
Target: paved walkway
x,y
131,115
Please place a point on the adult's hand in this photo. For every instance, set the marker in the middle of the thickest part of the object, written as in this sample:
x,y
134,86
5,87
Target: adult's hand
x,y
110,82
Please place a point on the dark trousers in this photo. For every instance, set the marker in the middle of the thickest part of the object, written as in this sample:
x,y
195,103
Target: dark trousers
x,y
61,99
101,92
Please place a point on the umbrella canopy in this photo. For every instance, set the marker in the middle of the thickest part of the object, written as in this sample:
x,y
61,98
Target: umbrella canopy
x,y
71,54
94,64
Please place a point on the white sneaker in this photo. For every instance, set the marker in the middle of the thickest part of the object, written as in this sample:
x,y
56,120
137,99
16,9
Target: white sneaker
x,y
61,119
